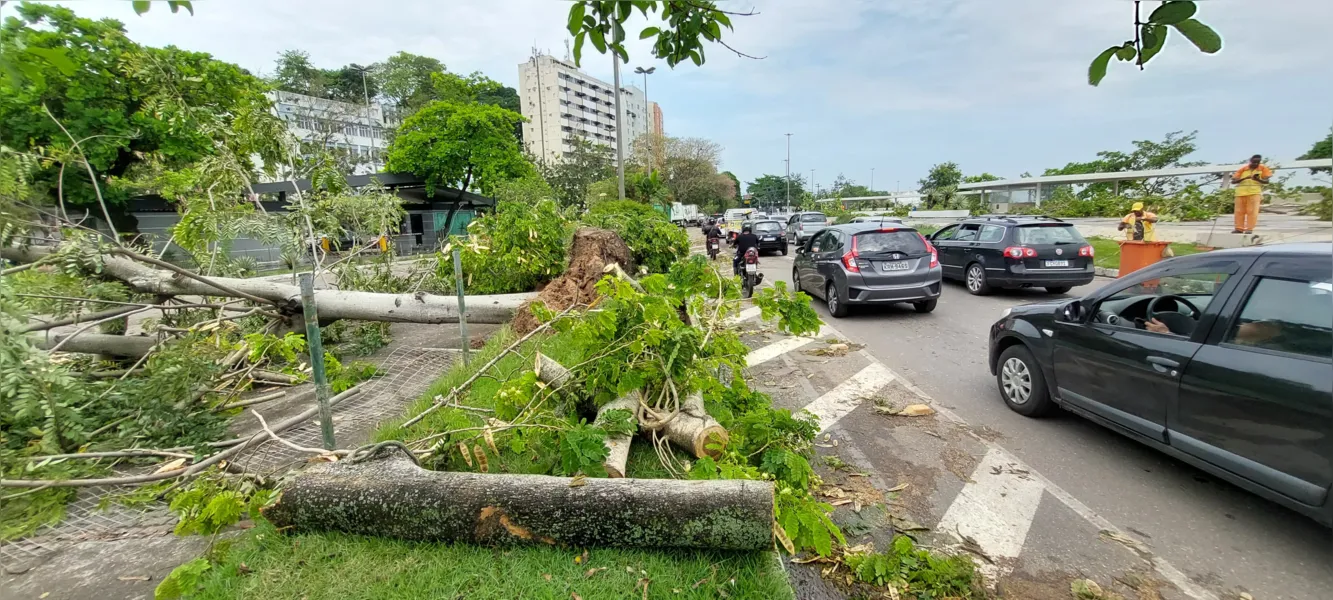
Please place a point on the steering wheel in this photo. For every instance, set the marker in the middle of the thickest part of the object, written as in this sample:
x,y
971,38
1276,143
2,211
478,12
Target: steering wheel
x,y
1178,323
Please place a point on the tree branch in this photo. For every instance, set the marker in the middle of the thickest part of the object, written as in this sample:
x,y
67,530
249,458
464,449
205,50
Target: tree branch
x,y
200,278
115,237
80,318
738,52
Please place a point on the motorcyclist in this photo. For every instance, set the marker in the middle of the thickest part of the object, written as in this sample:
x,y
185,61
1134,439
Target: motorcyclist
x,y
745,241
712,231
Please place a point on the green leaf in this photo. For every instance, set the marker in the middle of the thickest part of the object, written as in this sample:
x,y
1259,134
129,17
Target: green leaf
x,y
714,29
623,9
599,40
694,56
1097,70
576,18
1154,37
649,32
619,33
578,46
176,5
58,58
142,6
1170,13
624,55
1203,36
1126,52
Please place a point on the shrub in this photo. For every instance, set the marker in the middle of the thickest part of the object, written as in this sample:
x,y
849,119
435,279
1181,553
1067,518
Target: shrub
x,y
653,240
513,249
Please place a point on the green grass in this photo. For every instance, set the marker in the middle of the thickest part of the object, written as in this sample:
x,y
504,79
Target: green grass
x,y
348,567
344,567
1107,251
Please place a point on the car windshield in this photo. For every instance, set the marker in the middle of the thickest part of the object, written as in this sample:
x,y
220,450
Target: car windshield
x,y
813,218
876,242
1049,234
767,227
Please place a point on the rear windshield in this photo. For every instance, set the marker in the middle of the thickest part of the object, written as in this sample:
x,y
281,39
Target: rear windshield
x,y
813,218
874,242
767,227
1049,234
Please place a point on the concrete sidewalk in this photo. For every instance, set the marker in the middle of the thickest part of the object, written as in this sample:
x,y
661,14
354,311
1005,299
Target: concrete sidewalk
x,y
1273,228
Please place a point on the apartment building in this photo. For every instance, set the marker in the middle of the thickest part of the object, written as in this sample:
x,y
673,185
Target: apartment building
x,y
356,128
655,113
563,103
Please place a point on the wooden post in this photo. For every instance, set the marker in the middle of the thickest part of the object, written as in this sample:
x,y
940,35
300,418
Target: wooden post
x,y
462,303
316,347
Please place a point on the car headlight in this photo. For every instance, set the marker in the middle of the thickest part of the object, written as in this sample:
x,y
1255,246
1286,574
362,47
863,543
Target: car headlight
x,y
1006,313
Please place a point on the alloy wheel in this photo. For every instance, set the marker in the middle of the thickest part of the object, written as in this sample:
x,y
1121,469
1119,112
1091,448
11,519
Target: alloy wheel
x,y
974,276
1017,381
832,299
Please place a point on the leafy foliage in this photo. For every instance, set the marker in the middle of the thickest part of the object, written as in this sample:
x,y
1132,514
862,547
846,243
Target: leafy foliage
x,y
771,190
676,40
582,450
1150,37
513,249
457,145
917,573
1321,149
941,184
655,243
572,176
686,168
183,580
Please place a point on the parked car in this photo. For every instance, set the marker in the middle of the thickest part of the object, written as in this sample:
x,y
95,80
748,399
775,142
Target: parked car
x,y
802,225
1009,252
865,263
1220,359
770,236
881,220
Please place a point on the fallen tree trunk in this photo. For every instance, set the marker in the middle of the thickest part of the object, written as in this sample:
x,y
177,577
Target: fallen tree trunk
x,y
694,430
392,496
617,447
128,346
332,304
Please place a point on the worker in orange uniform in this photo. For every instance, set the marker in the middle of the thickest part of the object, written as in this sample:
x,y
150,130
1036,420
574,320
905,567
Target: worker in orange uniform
x,y
1249,181
1139,225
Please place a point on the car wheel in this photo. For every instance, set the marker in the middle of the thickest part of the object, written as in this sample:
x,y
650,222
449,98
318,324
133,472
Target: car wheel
x,y
1058,289
795,280
783,250
925,306
976,280
1021,383
836,306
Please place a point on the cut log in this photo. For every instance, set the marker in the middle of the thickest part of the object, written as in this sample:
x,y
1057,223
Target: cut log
x,y
694,430
551,372
617,447
332,304
128,346
391,496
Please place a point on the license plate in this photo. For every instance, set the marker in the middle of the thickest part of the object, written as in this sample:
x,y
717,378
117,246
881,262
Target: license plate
x,y
900,265
1057,263
770,239
751,268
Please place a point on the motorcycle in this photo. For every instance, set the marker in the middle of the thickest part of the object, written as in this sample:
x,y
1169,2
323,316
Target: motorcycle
x,y
713,245
750,275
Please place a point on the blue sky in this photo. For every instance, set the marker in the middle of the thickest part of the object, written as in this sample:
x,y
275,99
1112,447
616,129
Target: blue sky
x,y
894,85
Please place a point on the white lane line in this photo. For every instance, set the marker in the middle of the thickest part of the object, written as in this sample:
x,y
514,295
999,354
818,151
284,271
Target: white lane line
x,y
766,353
834,405
995,508
745,315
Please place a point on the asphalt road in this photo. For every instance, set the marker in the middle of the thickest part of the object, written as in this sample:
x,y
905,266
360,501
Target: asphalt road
x,y
1220,536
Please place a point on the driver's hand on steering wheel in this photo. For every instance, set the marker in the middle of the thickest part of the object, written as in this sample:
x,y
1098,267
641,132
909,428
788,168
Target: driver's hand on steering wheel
x,y
1156,326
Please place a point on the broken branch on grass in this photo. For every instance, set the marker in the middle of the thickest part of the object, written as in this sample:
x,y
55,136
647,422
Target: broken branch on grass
x,y
82,318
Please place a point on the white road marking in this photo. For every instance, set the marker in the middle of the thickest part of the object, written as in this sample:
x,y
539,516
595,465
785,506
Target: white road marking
x,y
745,315
995,508
776,349
834,405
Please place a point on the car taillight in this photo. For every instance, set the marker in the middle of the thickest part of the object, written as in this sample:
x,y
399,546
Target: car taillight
x,y
1020,252
1086,251
934,254
849,259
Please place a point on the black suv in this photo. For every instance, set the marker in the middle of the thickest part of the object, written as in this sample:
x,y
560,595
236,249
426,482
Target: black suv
x,y
1020,251
1220,359
770,234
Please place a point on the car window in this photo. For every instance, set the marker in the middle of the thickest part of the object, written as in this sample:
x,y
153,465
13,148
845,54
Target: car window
x,y
873,242
821,241
792,219
1287,315
991,233
1048,234
966,233
813,218
1198,288
767,227
946,233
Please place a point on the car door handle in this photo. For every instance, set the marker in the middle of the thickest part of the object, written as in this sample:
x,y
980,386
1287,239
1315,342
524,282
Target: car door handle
x,y
1163,365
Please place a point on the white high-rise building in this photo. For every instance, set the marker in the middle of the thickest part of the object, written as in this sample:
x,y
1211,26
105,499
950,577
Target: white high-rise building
x,y
357,128
562,103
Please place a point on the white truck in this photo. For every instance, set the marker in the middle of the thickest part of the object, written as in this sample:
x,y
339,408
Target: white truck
x,y
684,214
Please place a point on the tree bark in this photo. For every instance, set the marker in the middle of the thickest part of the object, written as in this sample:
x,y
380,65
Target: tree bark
x,y
617,447
331,304
694,430
128,346
392,496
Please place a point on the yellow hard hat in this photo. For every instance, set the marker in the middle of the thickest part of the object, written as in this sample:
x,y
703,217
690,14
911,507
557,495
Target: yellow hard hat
x,y
1137,206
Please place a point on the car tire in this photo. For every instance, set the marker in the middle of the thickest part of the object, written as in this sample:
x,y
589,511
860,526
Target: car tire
x,y
1021,383
1058,289
795,280
834,302
925,306
975,280
783,250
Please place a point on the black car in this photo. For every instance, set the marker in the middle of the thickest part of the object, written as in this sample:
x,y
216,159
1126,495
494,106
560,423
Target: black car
x,y
867,263
1008,252
1222,359
769,232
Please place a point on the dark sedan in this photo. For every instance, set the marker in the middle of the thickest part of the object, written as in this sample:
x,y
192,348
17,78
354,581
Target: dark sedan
x,y
1223,360
866,263
769,232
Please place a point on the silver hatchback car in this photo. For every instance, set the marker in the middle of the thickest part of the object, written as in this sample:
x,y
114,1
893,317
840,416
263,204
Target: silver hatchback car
x,y
868,263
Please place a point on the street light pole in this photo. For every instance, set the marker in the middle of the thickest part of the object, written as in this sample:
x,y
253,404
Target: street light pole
x,y
620,125
812,181
872,179
789,169
370,125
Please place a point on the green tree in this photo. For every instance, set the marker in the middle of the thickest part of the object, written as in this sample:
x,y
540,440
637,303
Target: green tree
x,y
940,184
980,178
679,35
572,176
1321,149
346,84
463,146
478,88
687,167
405,80
127,105
294,73
1147,155
771,190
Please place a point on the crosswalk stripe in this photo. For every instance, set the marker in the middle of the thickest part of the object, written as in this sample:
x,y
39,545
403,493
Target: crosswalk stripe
x,y
745,315
766,353
996,507
834,405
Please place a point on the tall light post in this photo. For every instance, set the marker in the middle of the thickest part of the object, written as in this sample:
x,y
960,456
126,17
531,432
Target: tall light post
x,y
788,169
646,73
370,125
620,124
812,181
872,180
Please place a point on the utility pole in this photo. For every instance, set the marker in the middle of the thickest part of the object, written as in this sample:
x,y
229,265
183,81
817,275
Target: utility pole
x,y
620,123
789,169
872,180
370,123
812,181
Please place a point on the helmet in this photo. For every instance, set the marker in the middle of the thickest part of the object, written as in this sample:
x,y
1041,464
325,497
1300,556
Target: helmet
x,y
747,227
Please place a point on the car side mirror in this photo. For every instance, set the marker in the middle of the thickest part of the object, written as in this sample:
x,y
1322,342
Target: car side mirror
x,y
1072,312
